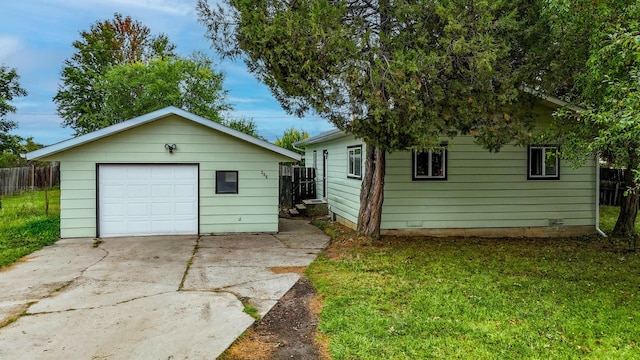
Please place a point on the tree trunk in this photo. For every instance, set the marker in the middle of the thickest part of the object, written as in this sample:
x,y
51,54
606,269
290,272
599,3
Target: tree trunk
x,y
625,225
372,194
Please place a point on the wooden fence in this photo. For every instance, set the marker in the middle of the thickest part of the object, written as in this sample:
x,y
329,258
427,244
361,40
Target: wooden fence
x,y
297,183
13,180
612,186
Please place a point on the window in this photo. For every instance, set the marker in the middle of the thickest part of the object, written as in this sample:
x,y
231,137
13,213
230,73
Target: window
x,y
226,182
354,168
430,165
543,163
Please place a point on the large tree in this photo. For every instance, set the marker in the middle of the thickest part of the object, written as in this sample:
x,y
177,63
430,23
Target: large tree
x,y
137,88
107,43
289,137
593,62
399,75
9,90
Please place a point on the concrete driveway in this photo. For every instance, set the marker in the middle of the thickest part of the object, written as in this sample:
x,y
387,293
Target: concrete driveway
x,y
147,297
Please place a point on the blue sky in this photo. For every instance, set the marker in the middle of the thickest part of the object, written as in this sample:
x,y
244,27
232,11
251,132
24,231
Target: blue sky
x,y
36,38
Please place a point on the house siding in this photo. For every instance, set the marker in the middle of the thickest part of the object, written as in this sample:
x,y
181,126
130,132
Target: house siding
x,y
482,190
486,189
343,196
253,209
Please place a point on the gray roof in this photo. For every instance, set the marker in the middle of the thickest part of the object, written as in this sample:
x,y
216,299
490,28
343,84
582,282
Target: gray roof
x,y
150,117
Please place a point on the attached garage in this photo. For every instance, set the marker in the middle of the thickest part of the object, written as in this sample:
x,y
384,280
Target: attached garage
x,y
164,173
147,199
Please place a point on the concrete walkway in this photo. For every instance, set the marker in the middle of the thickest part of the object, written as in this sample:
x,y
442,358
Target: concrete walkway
x,y
147,297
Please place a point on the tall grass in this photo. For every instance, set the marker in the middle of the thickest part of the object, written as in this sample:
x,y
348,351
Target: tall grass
x,y
24,225
472,298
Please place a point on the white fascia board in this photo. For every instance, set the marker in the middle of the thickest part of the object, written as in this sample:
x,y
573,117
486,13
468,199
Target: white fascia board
x,y
152,116
322,137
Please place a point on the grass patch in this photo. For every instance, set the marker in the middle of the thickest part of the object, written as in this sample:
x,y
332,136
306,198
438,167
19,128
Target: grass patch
x,y
24,225
250,309
609,216
470,298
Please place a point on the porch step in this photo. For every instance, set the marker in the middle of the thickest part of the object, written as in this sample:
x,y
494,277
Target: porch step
x,y
300,207
293,212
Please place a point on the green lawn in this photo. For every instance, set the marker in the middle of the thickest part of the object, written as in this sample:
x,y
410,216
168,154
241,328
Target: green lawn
x,y
24,226
468,298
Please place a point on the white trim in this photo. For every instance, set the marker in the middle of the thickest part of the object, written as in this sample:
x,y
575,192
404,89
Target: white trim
x,y
598,230
352,174
325,136
150,117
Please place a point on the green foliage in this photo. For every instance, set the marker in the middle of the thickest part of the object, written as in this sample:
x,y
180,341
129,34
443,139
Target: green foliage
x,y
480,299
399,76
108,43
9,89
134,89
24,225
246,126
289,137
11,146
601,81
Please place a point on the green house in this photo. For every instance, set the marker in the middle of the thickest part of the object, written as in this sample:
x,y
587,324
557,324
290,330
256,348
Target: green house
x,y
461,188
166,172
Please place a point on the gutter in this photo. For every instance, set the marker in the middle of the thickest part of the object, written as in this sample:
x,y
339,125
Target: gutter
x,y
600,232
297,148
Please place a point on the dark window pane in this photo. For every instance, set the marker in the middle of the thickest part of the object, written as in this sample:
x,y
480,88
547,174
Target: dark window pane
x,y
422,163
551,162
437,164
535,162
226,182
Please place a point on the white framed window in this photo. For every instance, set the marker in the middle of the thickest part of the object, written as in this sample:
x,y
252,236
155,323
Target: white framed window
x,y
226,182
354,162
543,162
430,164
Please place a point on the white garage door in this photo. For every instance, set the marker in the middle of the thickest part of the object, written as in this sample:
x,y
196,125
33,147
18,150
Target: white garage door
x,y
147,199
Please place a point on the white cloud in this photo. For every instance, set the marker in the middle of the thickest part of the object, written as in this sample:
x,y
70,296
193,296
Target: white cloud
x,y
174,7
245,100
9,45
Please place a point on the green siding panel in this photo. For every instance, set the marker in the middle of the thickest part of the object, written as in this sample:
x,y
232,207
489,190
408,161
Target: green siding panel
x,y
482,189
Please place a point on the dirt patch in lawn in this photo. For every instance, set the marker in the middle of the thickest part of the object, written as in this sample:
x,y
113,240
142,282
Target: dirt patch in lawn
x,y
288,331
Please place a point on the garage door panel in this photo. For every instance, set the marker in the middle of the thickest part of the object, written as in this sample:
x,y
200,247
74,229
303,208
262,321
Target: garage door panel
x,y
138,191
139,209
165,209
184,209
148,199
185,190
107,210
161,190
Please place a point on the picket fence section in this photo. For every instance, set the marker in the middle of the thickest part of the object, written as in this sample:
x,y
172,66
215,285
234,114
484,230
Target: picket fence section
x,y
13,180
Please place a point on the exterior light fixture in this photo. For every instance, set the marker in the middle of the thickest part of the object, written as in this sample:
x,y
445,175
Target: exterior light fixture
x,y
171,147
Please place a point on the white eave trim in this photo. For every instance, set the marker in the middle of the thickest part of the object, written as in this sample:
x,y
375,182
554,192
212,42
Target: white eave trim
x,y
322,137
558,103
150,117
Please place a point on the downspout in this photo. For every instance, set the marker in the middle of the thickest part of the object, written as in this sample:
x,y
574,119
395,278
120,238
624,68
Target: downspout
x,y
600,232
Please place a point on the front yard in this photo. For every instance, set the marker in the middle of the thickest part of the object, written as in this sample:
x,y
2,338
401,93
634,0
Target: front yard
x,y
469,298
24,225
465,298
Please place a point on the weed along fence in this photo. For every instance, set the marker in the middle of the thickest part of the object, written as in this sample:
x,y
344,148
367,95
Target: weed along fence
x,y
297,183
13,180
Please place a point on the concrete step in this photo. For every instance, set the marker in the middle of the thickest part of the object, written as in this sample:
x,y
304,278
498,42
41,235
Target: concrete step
x,y
300,207
293,212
